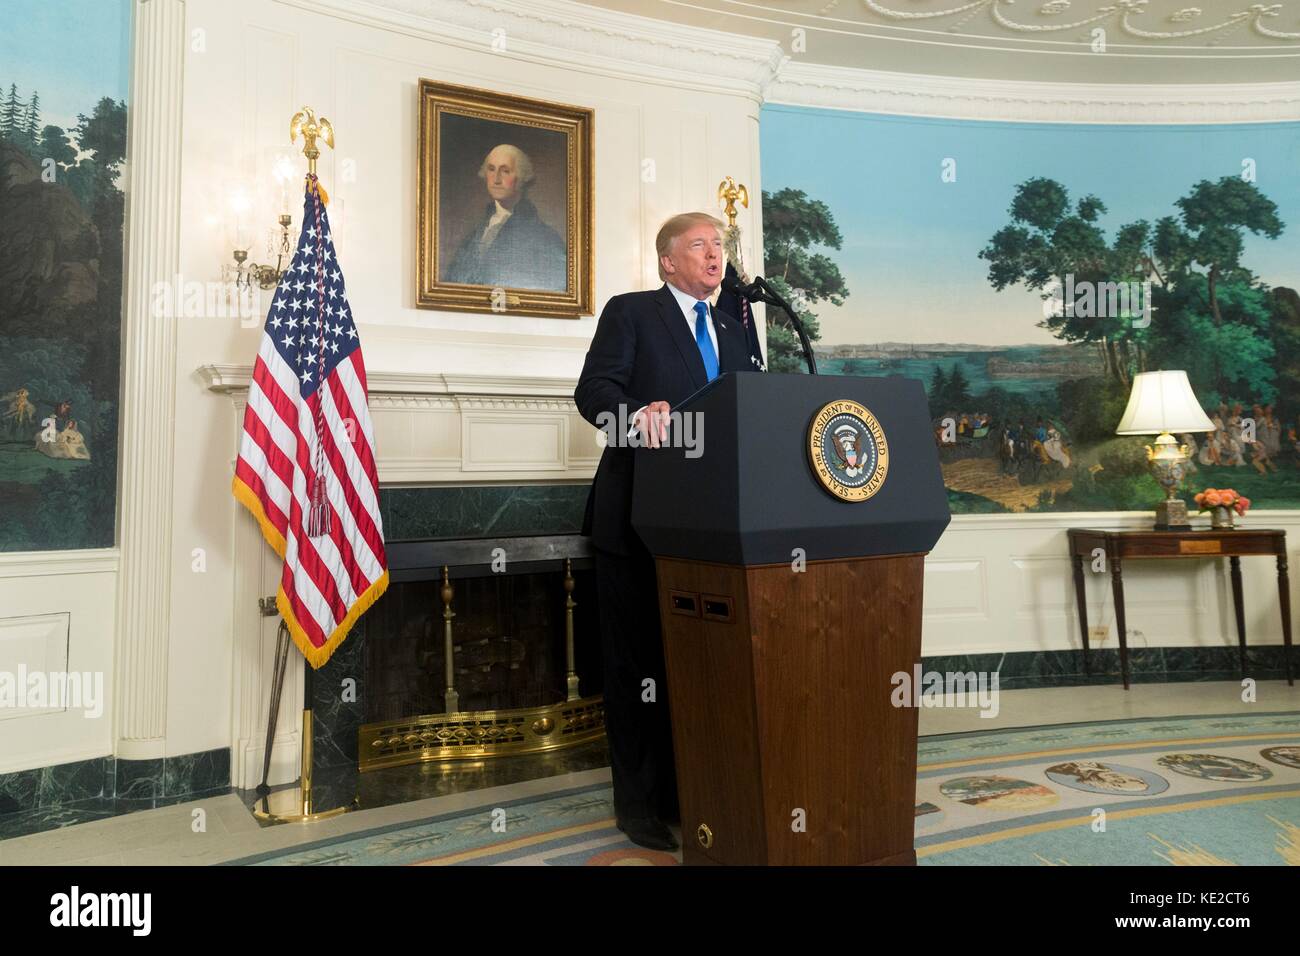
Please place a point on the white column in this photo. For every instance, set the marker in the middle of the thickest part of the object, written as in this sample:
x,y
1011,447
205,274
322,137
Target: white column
x,y
148,380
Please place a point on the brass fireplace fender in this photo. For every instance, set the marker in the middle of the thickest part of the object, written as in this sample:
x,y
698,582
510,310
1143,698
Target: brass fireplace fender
x,y
481,734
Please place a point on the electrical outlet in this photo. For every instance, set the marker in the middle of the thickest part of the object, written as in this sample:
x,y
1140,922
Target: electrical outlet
x,y
1098,633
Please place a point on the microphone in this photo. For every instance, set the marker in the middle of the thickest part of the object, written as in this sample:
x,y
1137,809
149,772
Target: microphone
x,y
761,291
736,287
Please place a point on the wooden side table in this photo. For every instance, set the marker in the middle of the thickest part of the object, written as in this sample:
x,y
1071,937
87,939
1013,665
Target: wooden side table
x,y
1233,544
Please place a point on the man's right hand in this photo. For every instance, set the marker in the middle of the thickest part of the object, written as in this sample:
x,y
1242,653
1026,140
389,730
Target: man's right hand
x,y
652,422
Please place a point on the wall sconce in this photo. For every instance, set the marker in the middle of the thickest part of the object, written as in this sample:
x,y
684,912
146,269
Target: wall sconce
x,y
242,275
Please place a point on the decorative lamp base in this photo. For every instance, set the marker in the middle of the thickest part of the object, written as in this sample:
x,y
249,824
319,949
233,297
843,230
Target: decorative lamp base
x,y
1171,515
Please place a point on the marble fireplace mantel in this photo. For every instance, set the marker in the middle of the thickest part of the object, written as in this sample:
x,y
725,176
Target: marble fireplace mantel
x,y
459,427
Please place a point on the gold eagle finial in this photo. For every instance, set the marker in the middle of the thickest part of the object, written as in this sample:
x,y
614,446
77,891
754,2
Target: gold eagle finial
x,y
305,122
729,191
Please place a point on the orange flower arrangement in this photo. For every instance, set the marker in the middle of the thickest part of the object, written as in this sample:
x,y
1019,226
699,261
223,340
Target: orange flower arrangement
x,y
1222,498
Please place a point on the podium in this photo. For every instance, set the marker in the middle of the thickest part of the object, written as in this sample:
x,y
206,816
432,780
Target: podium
x,y
787,611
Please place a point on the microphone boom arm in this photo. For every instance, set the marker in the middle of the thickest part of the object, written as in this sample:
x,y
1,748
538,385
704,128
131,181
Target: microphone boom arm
x,y
761,291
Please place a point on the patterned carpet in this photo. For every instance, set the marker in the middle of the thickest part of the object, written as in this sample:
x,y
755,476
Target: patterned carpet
x,y
1182,791
1157,792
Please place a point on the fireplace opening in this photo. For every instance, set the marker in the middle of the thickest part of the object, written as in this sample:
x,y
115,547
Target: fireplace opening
x,y
482,648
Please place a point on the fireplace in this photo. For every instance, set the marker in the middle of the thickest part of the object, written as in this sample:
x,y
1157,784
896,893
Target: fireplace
x,y
461,455
481,648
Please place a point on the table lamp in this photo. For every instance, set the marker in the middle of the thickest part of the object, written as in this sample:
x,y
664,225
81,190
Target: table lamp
x,y
1160,403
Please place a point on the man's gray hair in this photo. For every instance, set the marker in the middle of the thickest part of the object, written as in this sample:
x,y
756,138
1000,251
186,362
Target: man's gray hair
x,y
674,227
523,165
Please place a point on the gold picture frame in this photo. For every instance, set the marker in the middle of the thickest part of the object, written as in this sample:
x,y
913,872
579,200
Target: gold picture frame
x,y
504,194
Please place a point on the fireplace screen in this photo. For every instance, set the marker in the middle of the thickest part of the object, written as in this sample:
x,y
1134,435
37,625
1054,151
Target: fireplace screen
x,y
465,662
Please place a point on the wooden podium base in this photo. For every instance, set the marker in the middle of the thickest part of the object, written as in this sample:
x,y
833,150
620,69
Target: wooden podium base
x,y
788,748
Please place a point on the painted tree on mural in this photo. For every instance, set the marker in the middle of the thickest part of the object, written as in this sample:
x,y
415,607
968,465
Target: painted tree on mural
x,y
1047,241
1285,328
86,159
948,391
1213,313
794,227
1236,337
12,112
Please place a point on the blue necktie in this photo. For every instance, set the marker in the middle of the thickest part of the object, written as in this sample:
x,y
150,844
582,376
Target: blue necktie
x,y
704,342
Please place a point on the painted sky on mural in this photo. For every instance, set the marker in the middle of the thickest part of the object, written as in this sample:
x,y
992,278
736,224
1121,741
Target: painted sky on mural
x,y
911,242
70,66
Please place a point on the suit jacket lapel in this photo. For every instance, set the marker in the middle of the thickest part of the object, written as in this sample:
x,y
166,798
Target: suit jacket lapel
x,y
728,360
671,315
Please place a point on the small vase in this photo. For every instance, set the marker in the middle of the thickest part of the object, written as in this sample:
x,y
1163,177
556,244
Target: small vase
x,y
1221,517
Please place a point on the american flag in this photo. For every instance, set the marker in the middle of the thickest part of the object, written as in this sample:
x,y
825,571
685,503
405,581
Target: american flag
x,y
738,306
306,466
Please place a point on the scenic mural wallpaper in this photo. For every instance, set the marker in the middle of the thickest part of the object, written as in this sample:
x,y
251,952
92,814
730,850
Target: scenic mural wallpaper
x,y
1026,272
63,116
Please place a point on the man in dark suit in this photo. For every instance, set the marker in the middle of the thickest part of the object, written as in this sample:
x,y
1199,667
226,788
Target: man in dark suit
x,y
510,246
651,350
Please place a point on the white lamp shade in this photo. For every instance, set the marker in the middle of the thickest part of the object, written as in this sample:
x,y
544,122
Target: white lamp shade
x,y
1162,402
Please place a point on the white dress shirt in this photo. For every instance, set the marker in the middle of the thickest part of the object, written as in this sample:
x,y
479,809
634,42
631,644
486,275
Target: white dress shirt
x,y
687,303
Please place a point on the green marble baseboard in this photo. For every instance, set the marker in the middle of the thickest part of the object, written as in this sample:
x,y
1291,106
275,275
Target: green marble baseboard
x,y
1147,665
134,784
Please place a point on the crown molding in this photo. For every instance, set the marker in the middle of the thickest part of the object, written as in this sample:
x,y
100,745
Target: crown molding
x,y
574,36
871,91
578,37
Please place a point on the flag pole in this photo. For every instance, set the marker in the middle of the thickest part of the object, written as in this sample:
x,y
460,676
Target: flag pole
x,y
729,193
297,804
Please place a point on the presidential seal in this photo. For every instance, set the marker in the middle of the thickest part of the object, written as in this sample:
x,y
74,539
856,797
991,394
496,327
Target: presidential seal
x,y
848,451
